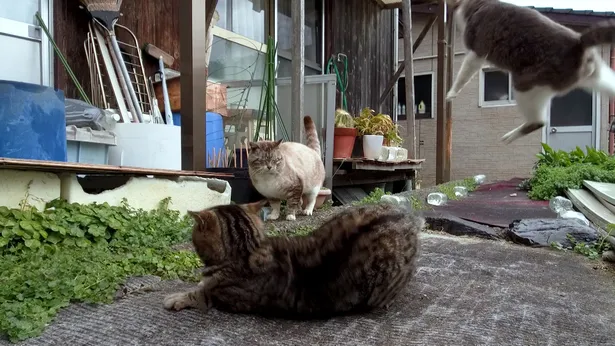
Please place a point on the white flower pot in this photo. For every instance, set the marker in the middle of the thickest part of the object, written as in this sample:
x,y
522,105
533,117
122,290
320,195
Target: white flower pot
x,y
372,146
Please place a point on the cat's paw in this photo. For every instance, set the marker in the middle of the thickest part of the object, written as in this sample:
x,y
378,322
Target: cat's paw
x,y
273,216
510,137
176,301
451,95
306,212
291,217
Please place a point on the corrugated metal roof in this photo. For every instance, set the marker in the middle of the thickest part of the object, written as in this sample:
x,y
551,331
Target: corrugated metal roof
x,y
571,11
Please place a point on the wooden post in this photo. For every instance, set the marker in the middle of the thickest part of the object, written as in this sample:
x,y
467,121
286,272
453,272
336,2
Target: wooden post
x,y
193,81
401,67
441,144
450,69
406,10
298,68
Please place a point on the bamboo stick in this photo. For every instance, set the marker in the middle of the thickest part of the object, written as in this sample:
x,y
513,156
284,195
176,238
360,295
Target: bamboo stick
x,y
241,155
235,155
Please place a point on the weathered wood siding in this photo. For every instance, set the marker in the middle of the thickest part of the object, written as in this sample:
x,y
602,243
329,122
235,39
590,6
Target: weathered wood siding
x,y
365,33
155,22
358,28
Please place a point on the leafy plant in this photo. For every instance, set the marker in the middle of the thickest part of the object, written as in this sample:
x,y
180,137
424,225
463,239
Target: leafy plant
x,y
374,197
343,119
561,158
372,123
557,171
74,252
591,251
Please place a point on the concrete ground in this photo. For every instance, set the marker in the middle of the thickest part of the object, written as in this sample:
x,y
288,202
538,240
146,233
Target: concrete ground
x,y
467,292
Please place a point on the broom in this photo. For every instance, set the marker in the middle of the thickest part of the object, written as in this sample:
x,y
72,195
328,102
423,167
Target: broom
x,y
106,13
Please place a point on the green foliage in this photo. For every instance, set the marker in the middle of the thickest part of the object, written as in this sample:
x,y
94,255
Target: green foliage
x,y
373,197
82,253
449,188
562,158
591,251
557,171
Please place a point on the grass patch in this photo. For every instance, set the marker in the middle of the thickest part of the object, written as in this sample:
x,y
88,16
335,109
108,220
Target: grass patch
x,y
82,253
448,188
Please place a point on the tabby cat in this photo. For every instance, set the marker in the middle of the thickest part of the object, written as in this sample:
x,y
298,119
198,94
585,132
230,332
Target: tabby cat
x,y
358,260
288,171
545,59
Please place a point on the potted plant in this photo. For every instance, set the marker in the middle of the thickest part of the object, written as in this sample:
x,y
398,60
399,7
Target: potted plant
x,y
373,127
391,137
344,134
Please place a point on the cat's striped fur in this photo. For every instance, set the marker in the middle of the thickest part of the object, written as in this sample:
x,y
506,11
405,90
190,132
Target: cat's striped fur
x,y
358,260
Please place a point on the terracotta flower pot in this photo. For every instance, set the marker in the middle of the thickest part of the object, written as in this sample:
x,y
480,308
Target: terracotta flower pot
x,y
343,142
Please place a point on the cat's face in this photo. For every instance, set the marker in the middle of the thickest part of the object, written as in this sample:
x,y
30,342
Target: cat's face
x,y
266,157
227,232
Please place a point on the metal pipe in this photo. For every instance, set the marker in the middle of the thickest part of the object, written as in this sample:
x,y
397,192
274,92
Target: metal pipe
x,y
612,109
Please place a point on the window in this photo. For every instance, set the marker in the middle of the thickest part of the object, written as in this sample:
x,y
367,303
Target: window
x,y
423,92
313,36
243,17
231,61
495,88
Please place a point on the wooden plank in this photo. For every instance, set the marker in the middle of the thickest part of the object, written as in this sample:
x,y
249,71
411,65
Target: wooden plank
x,y
605,191
373,167
593,210
450,61
298,69
347,24
361,160
402,66
193,80
409,80
83,168
441,144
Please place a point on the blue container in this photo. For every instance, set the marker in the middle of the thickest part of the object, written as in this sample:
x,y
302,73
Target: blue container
x,y
214,133
32,122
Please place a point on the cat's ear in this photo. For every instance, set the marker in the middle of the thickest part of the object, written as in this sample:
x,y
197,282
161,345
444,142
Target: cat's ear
x,y
255,207
253,146
196,216
278,142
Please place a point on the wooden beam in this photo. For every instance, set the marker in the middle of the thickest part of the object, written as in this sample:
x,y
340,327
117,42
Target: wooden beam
x,y
193,80
450,69
298,68
406,10
441,144
402,65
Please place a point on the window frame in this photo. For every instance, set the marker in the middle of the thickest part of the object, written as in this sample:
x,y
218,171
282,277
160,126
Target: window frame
x,y
433,92
481,90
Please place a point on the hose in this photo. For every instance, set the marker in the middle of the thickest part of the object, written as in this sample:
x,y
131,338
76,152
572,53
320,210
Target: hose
x,y
342,78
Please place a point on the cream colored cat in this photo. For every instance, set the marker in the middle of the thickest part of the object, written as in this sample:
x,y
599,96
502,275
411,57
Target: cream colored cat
x,y
288,171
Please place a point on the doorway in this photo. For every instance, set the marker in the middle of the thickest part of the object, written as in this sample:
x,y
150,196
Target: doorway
x,y
572,121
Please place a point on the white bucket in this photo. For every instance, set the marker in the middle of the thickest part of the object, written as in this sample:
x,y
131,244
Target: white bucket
x,y
372,146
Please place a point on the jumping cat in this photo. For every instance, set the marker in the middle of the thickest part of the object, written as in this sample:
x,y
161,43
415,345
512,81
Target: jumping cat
x,y
359,260
545,59
288,171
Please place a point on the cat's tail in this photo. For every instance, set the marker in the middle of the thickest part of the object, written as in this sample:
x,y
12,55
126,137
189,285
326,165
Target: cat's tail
x,y
311,134
599,34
